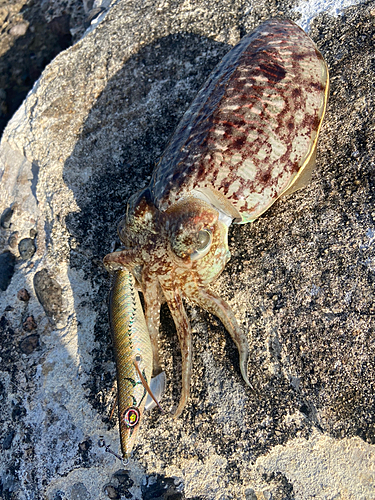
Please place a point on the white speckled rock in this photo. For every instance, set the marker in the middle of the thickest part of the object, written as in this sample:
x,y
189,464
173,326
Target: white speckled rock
x,y
300,279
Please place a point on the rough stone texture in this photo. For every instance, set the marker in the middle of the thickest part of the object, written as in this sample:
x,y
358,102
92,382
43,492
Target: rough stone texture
x,y
32,33
49,294
300,280
26,248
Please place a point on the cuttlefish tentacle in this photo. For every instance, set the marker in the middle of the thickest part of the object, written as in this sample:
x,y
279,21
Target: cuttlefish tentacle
x,y
151,293
120,259
176,306
211,302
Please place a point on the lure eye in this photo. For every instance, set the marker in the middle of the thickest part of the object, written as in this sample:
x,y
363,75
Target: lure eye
x,y
130,417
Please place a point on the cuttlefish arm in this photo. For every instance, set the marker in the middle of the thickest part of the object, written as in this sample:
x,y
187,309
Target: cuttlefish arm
x,y
176,306
152,292
183,287
122,259
211,302
174,256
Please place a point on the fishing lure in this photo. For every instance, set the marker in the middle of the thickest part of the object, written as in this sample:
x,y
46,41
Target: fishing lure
x,y
248,138
133,353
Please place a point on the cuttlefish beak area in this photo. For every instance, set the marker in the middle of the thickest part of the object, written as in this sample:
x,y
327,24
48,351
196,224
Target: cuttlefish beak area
x,y
174,255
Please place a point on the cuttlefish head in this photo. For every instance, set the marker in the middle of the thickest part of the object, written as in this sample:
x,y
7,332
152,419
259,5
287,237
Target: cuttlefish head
x,y
187,236
174,255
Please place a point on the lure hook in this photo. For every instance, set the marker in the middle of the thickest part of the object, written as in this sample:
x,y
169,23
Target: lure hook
x,y
102,444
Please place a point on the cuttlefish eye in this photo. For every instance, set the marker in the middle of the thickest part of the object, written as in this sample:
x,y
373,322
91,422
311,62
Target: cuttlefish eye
x,y
204,240
190,225
193,245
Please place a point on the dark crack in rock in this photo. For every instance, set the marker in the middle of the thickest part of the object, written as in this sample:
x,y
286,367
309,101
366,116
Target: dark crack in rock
x,y
8,439
49,294
32,34
7,263
6,217
158,487
26,248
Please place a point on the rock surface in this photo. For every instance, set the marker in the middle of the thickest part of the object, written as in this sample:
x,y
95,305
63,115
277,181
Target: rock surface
x,y
301,278
32,33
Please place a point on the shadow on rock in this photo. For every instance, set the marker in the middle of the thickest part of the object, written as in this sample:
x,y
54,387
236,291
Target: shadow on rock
x,y
33,43
122,139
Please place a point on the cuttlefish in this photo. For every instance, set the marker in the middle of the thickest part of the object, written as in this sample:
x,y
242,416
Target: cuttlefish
x,y
249,137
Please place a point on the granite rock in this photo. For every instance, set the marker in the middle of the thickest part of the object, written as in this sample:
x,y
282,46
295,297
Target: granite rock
x,y
26,248
31,35
300,280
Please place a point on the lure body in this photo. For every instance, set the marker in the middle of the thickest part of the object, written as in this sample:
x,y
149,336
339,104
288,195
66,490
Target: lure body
x,y
249,137
132,345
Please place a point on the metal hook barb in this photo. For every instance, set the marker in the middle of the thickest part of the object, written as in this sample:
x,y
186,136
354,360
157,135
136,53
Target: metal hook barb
x,y
101,444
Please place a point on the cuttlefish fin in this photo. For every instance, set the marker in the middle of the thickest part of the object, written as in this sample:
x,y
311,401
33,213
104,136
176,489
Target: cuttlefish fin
x,y
304,176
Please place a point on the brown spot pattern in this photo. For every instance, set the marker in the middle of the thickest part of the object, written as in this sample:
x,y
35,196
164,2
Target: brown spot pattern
x,y
269,86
